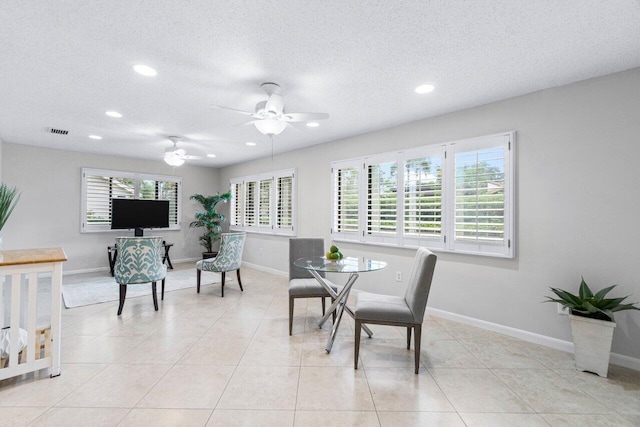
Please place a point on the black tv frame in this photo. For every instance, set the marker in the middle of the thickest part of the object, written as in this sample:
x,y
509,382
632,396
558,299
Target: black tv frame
x,y
138,214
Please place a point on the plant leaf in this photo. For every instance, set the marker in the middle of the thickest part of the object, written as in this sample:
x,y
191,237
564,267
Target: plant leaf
x,y
585,292
625,307
599,296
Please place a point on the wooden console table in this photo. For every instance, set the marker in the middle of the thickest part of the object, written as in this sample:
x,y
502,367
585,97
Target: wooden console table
x,y
112,253
14,266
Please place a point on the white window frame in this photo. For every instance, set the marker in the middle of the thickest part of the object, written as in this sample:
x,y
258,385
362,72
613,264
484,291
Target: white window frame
x,y
272,227
85,227
446,241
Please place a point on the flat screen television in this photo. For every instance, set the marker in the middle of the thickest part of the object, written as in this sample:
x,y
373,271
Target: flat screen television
x,y
138,214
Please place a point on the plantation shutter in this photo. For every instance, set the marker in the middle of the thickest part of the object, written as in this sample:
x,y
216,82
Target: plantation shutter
x,y
237,198
100,191
381,200
481,195
264,203
422,175
250,203
346,199
162,190
284,207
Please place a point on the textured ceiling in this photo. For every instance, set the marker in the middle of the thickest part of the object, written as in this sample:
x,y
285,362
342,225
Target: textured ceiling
x,y
64,63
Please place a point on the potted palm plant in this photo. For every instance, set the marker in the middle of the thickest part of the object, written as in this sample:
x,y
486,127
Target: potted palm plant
x,y
8,200
591,325
209,219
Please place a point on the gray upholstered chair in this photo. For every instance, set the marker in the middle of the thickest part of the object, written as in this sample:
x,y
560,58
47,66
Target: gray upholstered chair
x,y
139,261
405,311
301,283
229,258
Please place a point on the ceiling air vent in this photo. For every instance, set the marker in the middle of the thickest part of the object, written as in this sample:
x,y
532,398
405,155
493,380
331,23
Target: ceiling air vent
x,y
58,131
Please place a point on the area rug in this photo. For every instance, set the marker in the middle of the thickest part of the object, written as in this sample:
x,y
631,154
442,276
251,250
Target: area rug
x,y
104,290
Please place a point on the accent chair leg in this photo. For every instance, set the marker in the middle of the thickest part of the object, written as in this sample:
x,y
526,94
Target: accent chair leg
x,y
409,338
239,281
198,274
356,347
123,294
155,295
223,284
163,288
323,305
333,315
416,345
291,303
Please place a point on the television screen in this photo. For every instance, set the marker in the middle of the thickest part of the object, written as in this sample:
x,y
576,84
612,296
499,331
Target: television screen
x,y
136,213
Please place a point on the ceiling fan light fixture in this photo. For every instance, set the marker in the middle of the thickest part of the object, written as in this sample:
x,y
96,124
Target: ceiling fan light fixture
x,y
270,126
172,160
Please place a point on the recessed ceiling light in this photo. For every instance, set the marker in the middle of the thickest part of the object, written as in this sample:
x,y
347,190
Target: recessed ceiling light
x,y
251,144
313,124
424,89
211,155
113,114
145,70
95,137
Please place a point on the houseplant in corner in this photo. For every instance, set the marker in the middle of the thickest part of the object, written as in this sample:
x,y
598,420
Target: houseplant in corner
x,y
8,200
591,325
209,219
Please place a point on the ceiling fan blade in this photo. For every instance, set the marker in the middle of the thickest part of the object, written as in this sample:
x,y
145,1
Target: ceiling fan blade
x,y
250,122
275,104
289,125
186,157
304,117
220,107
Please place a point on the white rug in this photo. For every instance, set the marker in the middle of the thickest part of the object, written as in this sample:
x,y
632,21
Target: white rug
x,y
104,290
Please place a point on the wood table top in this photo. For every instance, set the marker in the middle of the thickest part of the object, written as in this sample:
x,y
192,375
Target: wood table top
x,y
32,256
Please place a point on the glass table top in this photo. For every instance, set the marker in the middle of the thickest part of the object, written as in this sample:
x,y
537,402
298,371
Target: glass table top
x,y
345,265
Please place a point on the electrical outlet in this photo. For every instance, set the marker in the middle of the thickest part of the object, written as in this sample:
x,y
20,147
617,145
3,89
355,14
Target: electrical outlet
x,y
562,310
398,276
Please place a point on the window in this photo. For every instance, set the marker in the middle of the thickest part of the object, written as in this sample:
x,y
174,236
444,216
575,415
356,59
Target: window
x,y
100,186
455,197
269,203
237,211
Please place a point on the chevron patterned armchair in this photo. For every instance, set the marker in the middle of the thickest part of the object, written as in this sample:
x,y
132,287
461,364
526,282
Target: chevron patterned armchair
x,y
229,258
139,261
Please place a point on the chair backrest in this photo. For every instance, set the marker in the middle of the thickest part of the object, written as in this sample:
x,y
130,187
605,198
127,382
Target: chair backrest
x,y
303,247
139,260
229,256
420,283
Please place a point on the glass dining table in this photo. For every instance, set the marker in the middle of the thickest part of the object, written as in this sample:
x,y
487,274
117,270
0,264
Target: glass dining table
x,y
352,266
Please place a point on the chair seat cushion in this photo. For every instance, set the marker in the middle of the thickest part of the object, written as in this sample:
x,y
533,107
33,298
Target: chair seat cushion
x,y
308,288
384,308
207,265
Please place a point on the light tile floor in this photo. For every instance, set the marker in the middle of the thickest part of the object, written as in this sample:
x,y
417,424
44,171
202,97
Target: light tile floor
x,y
204,360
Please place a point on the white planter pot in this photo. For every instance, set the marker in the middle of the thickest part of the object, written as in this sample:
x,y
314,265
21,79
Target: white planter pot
x,y
592,344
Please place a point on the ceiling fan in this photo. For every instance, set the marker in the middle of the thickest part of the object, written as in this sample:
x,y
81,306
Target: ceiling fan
x,y
175,156
270,118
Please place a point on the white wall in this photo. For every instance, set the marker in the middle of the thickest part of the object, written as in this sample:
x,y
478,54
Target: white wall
x,y
48,213
578,155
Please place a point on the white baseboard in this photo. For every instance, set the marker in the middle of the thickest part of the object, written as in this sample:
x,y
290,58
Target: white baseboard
x,y
266,269
616,359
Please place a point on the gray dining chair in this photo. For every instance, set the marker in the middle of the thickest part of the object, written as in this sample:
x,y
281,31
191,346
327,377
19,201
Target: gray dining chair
x,y
301,283
407,311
